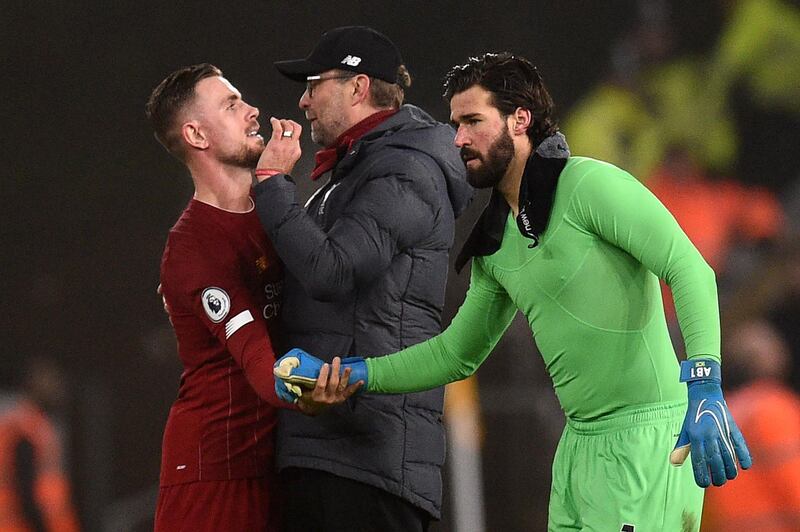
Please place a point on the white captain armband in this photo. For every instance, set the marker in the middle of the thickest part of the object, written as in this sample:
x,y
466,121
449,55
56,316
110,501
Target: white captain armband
x,y
237,322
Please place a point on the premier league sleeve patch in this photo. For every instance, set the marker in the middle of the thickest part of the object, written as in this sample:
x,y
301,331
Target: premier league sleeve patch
x,y
216,303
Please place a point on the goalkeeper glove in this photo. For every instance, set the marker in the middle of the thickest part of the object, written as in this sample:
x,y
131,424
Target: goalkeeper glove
x,y
715,441
298,370
287,392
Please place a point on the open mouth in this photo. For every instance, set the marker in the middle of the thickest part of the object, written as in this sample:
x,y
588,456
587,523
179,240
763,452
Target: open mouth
x,y
253,131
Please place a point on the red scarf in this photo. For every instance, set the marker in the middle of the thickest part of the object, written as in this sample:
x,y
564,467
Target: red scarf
x,y
328,157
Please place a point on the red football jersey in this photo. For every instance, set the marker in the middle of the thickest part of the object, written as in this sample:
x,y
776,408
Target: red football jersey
x,y
221,281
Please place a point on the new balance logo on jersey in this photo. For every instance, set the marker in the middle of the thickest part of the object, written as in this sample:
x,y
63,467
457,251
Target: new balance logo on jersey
x,y
351,60
526,223
526,227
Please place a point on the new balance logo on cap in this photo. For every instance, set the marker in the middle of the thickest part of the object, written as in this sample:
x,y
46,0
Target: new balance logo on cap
x,y
351,60
359,49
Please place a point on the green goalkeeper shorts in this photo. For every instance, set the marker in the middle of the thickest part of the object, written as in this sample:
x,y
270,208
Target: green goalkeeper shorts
x,y
614,475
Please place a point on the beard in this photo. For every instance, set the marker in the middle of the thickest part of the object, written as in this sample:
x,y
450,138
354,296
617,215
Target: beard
x,y
325,131
321,137
246,157
329,121
494,164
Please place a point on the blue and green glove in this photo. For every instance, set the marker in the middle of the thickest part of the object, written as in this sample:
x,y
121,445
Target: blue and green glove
x,y
716,443
297,371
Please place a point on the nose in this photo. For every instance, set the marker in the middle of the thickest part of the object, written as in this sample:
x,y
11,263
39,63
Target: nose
x,y
253,114
461,138
305,101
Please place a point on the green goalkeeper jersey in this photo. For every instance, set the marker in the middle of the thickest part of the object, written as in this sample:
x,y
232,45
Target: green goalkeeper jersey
x,y
591,295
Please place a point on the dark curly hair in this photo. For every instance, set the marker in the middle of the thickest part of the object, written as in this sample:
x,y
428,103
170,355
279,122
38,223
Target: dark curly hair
x,y
514,82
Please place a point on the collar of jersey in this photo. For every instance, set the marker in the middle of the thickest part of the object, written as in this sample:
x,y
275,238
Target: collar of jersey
x,y
536,197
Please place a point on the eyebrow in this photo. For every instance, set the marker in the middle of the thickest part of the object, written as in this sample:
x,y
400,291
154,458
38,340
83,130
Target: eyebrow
x,y
463,118
230,98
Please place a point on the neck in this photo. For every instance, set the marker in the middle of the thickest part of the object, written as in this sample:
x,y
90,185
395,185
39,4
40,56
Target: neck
x,y
355,117
223,186
509,185
363,112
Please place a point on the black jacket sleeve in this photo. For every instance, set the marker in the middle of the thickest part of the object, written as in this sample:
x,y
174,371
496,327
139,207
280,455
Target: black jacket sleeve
x,y
390,212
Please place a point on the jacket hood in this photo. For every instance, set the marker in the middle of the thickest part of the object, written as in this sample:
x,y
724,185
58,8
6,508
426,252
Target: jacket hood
x,y
412,128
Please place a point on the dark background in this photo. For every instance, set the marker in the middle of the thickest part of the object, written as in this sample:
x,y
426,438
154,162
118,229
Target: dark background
x,y
89,196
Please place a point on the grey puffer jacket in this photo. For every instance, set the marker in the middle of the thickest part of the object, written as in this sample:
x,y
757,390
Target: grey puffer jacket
x,y
366,267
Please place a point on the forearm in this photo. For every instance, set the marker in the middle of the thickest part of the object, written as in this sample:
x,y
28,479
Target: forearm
x,y
402,373
329,264
385,215
313,260
259,375
255,355
454,354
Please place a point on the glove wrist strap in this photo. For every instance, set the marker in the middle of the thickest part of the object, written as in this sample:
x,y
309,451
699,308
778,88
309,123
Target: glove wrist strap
x,y
358,368
700,369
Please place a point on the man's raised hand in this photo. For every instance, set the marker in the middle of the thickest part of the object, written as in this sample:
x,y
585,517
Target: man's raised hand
x,y
282,151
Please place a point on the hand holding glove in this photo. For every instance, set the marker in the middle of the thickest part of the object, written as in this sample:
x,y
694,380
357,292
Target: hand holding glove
x,y
324,384
716,443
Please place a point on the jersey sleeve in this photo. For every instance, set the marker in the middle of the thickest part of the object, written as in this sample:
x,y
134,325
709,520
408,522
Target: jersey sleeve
x,y
208,289
455,353
614,205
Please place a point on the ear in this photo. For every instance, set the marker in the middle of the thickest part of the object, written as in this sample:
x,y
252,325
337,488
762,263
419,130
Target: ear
x,y
361,84
193,135
520,120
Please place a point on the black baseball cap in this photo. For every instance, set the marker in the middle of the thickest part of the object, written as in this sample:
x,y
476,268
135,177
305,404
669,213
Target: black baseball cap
x,y
356,48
